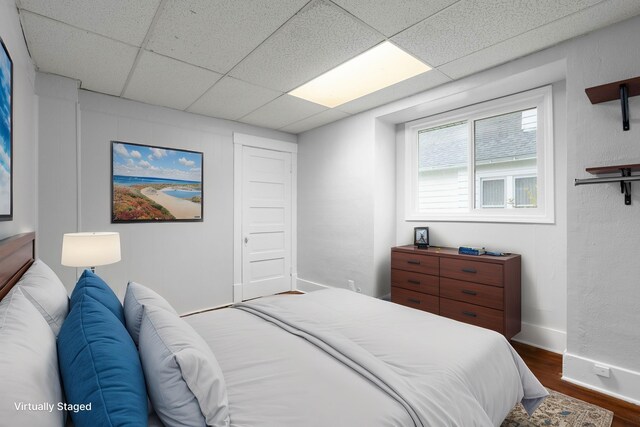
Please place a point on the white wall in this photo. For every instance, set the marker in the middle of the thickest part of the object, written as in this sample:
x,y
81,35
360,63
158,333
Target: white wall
x,y
384,200
336,205
604,234
191,264
57,177
25,115
584,267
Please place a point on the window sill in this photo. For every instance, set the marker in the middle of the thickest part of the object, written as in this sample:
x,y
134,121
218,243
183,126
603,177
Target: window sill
x,y
519,219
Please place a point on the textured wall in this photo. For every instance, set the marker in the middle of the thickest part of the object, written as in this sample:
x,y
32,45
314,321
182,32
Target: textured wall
x,y
604,234
335,205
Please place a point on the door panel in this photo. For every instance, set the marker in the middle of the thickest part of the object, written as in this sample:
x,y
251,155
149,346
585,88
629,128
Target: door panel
x,y
266,222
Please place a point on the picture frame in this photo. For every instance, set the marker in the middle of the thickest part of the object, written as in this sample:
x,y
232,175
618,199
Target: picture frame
x,y
421,237
6,134
155,184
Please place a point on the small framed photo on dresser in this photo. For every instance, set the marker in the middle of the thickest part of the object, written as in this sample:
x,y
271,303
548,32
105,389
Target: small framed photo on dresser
x,y
421,237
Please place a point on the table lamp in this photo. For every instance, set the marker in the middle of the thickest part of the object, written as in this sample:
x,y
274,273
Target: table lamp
x,y
90,249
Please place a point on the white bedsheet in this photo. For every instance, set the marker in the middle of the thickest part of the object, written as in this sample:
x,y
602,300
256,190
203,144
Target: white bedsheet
x,y
448,372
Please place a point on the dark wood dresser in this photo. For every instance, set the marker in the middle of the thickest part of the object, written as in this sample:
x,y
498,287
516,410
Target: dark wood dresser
x,y
480,290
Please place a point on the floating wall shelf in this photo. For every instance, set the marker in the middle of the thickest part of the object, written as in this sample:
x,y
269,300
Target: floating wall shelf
x,y
622,90
624,179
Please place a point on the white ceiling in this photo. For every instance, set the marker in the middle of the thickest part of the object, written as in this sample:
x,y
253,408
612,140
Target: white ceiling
x,y
236,59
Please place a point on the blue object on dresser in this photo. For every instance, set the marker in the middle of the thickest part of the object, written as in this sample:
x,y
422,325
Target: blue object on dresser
x,y
100,366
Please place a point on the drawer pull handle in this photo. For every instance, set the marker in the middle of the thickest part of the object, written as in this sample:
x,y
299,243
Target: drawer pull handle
x,y
413,282
470,270
469,313
413,261
468,292
413,300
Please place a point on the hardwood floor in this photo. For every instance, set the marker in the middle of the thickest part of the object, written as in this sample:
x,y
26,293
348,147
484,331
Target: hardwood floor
x,y
547,366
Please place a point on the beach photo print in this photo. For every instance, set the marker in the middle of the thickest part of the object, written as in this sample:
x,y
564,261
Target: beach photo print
x,y
155,184
6,131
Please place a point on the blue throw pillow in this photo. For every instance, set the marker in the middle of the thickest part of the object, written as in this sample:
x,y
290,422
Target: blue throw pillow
x,y
91,284
100,367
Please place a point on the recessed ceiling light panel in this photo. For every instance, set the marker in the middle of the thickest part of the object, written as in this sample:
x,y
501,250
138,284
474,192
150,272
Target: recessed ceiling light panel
x,y
375,69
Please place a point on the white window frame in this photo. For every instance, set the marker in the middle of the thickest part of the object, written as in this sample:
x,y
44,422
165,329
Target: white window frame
x,y
540,98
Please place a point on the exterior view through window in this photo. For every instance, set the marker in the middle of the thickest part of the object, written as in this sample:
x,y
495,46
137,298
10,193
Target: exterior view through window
x,y
505,163
484,162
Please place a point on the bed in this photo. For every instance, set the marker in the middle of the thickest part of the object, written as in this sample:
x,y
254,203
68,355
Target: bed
x,y
328,358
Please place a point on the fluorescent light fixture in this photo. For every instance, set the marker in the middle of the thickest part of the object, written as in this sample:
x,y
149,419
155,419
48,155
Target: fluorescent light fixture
x,y
375,69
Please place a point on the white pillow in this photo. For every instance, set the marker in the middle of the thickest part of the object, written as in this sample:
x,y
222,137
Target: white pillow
x,y
46,292
28,365
136,297
184,381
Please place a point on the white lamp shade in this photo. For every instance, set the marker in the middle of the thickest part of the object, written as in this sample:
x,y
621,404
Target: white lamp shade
x,y
90,249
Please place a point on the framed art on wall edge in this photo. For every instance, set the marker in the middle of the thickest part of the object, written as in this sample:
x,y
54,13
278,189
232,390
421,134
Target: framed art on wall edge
x,y
6,134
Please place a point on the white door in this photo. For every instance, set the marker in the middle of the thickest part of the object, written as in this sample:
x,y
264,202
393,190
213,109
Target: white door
x,y
266,222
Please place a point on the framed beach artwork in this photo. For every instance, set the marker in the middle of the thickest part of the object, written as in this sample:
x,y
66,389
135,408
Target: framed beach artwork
x,y
155,184
6,134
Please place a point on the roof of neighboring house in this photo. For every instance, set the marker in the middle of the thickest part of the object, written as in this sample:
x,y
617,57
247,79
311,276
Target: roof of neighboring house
x,y
500,137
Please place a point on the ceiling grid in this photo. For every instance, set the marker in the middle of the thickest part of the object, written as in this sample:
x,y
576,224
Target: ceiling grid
x,y
224,59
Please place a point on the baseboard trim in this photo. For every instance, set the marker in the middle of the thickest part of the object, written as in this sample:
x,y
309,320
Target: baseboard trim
x,y
309,286
623,384
542,337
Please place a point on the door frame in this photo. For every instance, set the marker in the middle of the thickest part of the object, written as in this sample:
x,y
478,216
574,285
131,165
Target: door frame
x,y
240,141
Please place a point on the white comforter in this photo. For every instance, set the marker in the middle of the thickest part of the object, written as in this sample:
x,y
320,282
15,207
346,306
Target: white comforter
x,y
336,358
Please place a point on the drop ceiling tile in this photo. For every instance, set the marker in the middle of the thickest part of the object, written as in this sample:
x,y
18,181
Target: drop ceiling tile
x,y
101,64
392,16
315,121
232,98
317,39
124,20
282,111
470,25
590,19
164,81
408,87
217,34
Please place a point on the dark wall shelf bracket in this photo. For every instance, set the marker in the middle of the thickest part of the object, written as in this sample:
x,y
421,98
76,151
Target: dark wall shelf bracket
x,y
624,103
625,186
625,179
623,90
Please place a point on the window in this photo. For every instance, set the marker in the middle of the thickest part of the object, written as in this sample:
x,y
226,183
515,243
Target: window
x,y
488,162
525,192
493,195
443,157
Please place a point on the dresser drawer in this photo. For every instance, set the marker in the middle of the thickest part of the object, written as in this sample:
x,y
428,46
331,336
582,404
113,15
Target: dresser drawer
x,y
474,293
473,271
415,262
417,300
473,314
415,281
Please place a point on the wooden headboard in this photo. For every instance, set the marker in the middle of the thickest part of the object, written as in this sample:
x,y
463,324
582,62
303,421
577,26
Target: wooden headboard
x,y
17,253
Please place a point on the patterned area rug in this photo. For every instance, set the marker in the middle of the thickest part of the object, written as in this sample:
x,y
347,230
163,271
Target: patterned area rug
x,y
562,411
